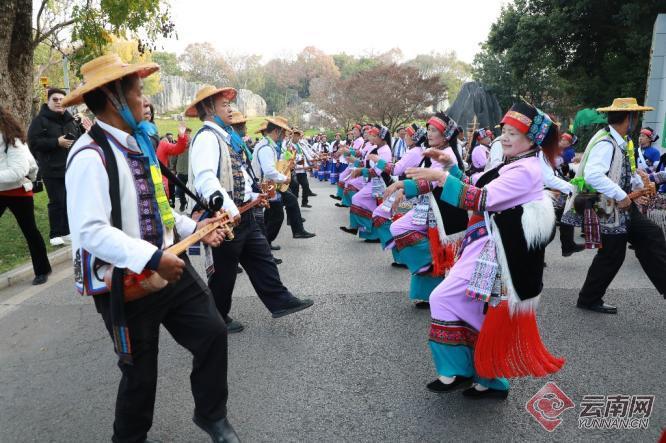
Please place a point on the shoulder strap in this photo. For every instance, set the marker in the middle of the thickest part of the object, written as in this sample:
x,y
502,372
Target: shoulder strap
x,y
99,137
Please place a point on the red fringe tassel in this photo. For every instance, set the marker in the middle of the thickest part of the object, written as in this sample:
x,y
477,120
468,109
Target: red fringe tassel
x,y
443,256
511,346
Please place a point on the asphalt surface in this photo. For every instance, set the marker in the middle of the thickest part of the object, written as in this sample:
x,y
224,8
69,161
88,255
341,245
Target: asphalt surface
x,y
352,368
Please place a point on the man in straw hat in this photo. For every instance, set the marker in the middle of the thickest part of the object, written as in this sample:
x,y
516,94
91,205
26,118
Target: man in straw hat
x,y
218,163
607,212
266,154
115,224
303,160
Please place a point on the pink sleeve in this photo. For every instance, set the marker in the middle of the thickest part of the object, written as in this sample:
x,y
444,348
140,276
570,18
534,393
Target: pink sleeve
x,y
409,160
513,187
480,156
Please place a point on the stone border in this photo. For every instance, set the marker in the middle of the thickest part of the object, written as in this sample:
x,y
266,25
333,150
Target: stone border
x,y
24,272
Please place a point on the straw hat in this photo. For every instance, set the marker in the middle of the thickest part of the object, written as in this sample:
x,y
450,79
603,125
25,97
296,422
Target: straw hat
x,y
629,104
105,69
208,91
277,121
237,118
297,131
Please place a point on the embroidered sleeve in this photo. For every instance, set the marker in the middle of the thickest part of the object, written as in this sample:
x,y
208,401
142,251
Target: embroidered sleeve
x,y
463,195
416,187
357,163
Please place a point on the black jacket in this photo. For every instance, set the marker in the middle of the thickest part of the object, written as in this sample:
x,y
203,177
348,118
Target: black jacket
x,y
43,135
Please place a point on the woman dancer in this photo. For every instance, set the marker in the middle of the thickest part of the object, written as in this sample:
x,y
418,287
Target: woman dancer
x,y
425,237
483,314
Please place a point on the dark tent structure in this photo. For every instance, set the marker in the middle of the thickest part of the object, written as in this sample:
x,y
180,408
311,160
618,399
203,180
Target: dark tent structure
x,y
475,100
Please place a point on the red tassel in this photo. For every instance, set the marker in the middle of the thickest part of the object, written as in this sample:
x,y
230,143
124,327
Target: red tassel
x,y
511,346
436,251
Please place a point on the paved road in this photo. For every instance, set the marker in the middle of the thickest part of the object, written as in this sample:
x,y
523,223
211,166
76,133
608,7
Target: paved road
x,y
352,368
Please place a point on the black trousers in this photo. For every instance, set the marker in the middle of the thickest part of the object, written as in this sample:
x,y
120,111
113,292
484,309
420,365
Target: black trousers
x,y
650,249
249,248
57,207
566,232
23,209
179,191
274,216
301,179
187,311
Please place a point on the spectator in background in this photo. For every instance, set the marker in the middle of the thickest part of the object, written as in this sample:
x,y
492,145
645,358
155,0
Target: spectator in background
x,y
399,147
167,148
17,171
182,165
567,146
51,134
647,156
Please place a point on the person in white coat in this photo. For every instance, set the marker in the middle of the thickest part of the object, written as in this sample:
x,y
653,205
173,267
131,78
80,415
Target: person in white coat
x,y
17,171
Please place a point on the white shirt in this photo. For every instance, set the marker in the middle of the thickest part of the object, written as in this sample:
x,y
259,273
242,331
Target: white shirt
x,y
496,154
598,164
551,181
267,157
399,148
89,208
205,161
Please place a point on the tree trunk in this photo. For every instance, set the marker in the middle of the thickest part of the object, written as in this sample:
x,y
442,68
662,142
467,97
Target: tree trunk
x,y
16,57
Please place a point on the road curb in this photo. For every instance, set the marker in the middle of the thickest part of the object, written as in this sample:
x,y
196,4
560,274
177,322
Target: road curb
x,y
25,272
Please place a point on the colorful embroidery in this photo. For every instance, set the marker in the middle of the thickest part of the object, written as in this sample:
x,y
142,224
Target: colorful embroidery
x,y
422,186
409,238
149,227
361,212
453,333
473,198
378,221
520,117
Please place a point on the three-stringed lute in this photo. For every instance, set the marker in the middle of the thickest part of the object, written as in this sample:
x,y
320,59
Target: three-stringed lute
x,y
136,286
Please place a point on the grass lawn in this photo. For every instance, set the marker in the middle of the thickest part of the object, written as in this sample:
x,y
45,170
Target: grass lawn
x,y
13,247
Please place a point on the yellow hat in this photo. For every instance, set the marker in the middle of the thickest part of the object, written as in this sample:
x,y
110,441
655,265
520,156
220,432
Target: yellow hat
x,y
297,131
209,91
237,118
105,69
628,104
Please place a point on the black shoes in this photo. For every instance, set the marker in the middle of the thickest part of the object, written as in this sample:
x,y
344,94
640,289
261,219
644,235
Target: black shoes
x,y
601,308
305,205
40,279
422,305
371,240
220,431
398,265
340,205
312,194
293,306
233,326
351,231
334,197
568,252
239,270
458,383
277,261
488,393
304,234
275,247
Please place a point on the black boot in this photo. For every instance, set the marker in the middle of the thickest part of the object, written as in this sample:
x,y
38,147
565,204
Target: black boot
x,y
220,431
351,231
